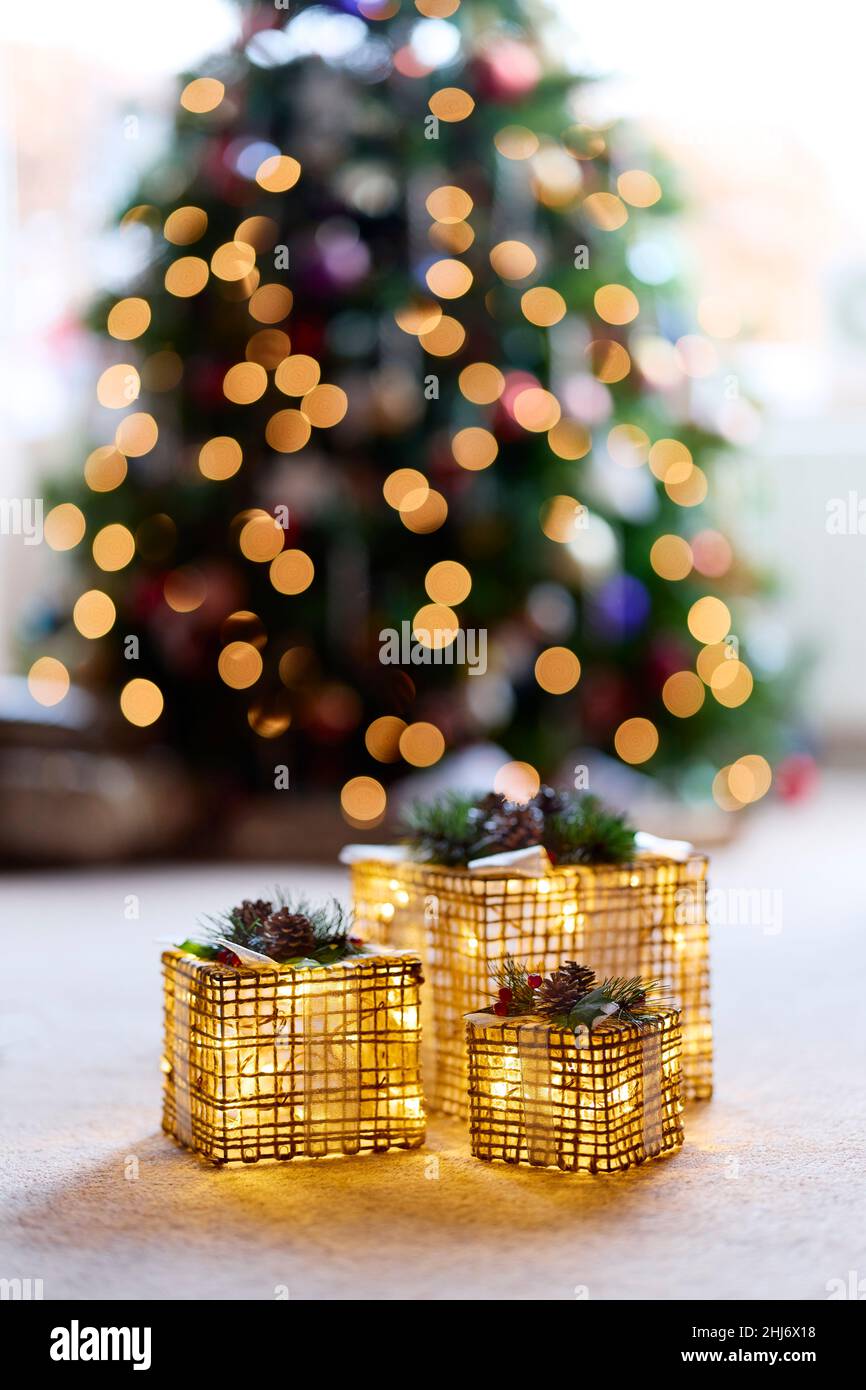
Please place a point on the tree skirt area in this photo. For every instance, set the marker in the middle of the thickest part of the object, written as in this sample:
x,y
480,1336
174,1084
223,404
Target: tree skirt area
x,y
759,1204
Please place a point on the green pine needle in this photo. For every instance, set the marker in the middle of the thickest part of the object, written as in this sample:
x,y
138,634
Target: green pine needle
x,y
586,832
444,830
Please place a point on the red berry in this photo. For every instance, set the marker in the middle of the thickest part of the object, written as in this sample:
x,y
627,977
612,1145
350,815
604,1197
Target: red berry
x,y
500,1008
533,981
506,996
356,940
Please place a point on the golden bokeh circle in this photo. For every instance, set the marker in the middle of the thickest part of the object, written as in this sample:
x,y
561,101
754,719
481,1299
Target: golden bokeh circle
x,y
750,778
220,458
683,694
141,702
449,204
543,306
562,518
405,489
297,374
245,382
105,469
136,434
474,448
427,517
201,95
628,445
419,316
363,800
118,386
709,619
691,492
671,557
435,625
557,670
448,582
516,142
536,409
451,104
233,260
446,338
268,347
437,9
278,173
513,260
113,547
711,657
287,431
732,683
270,303
94,614
449,279
639,188
636,740
382,739
292,572
455,237
670,459
129,318
517,781
64,526
616,304
569,440
605,211
259,232
722,794
325,405
609,361
421,744
261,538
186,276
48,681
184,589
185,225
239,665
481,383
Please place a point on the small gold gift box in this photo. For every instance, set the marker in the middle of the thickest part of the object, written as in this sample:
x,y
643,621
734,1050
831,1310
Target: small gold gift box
x,y
594,1102
646,918
289,1063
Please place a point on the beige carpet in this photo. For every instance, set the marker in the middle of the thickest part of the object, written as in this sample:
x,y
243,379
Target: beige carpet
x,y
765,1201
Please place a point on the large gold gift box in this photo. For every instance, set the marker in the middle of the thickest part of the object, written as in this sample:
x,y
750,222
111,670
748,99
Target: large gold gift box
x,y
595,1102
645,918
286,1063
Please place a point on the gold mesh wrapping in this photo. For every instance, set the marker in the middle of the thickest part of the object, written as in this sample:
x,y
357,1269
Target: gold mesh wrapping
x,y
596,1103
280,1064
647,918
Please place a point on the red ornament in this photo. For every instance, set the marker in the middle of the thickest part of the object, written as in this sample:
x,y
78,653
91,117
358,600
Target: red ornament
x,y
506,996
500,1009
533,981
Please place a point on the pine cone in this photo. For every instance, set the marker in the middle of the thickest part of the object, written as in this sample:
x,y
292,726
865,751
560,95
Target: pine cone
x,y
564,988
249,913
511,826
549,801
287,934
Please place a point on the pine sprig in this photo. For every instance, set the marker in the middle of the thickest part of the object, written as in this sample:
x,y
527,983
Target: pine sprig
x,y
630,1002
515,994
444,830
586,832
453,828
240,926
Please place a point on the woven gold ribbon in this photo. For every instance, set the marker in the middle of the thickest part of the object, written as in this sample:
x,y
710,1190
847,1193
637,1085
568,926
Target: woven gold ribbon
x,y
318,1041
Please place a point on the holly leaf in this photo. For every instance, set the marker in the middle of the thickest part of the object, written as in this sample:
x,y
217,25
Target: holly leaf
x,y
591,1009
198,948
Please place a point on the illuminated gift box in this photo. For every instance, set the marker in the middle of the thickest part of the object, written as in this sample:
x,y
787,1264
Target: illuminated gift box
x,y
645,918
595,1102
284,1063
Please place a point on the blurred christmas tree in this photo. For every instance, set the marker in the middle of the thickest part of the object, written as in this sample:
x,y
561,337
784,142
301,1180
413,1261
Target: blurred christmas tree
x,y
408,350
